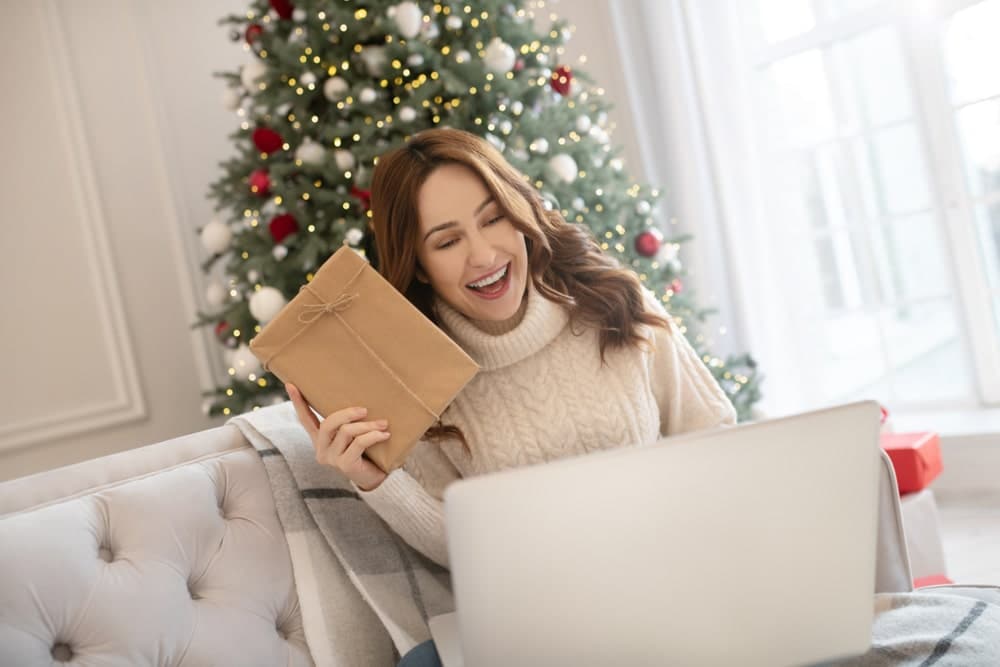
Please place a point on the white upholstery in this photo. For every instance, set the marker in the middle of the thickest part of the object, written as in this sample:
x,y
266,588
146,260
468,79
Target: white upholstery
x,y
170,554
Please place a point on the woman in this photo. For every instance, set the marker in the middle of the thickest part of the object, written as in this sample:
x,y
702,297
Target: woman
x,y
575,355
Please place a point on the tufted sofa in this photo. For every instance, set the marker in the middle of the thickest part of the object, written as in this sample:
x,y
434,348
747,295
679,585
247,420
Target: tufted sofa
x,y
172,554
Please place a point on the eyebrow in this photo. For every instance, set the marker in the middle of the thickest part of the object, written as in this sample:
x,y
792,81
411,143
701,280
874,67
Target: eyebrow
x,y
452,223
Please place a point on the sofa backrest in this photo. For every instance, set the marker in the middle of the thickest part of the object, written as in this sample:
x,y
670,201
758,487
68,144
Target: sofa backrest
x,y
169,554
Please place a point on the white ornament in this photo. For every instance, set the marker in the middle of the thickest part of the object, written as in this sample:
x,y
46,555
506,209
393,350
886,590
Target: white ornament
x,y
415,60
335,88
311,153
251,74
299,15
583,124
215,236
307,79
642,207
539,145
231,98
575,88
506,127
517,107
542,59
279,252
253,275
408,18
266,303
495,140
354,236
345,159
563,167
391,12
616,164
244,361
407,114
430,30
283,109
375,59
367,96
216,294
463,56
547,205
500,57
667,252
578,203
520,154
453,22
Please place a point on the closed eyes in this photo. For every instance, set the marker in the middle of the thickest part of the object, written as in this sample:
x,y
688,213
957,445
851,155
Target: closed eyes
x,y
451,242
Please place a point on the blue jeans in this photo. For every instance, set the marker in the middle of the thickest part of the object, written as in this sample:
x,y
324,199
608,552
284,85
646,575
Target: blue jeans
x,y
421,655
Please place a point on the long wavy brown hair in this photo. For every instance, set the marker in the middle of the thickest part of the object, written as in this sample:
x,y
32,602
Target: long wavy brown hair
x,y
565,263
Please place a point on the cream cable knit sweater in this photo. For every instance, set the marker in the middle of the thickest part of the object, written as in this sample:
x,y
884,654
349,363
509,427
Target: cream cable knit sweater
x,y
542,394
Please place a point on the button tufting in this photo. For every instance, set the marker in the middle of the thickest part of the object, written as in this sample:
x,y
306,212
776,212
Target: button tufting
x,y
282,633
194,596
105,554
62,652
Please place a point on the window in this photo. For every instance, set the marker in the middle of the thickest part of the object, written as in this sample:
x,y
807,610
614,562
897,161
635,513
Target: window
x,y
874,135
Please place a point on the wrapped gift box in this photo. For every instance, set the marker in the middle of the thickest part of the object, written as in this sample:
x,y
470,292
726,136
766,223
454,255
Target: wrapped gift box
x,y
350,339
916,458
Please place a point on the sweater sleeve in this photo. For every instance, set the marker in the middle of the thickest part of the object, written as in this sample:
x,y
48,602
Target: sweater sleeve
x,y
415,509
688,396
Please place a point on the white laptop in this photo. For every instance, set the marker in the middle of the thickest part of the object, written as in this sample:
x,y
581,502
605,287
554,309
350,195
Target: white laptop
x,y
751,545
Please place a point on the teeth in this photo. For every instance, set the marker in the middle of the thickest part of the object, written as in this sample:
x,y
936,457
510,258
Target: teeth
x,y
489,280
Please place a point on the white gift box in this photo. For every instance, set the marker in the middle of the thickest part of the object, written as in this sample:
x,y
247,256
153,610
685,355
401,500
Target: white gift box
x,y
923,534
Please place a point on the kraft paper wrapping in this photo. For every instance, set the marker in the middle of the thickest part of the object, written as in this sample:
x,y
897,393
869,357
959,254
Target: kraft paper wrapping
x,y
350,339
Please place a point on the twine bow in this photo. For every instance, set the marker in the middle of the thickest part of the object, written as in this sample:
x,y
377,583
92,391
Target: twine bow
x,y
312,312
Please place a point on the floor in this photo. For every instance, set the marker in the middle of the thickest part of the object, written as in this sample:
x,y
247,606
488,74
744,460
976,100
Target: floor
x,y
970,530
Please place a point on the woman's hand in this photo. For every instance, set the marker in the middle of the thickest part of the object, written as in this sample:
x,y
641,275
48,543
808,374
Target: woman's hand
x,y
340,440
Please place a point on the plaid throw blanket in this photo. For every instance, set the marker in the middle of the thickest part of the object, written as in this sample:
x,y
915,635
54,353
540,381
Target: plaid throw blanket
x,y
934,627
365,594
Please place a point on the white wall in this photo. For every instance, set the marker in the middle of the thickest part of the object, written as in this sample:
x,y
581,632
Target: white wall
x,y
114,129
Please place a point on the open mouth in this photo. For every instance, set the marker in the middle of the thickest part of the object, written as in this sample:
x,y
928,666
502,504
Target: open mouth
x,y
494,284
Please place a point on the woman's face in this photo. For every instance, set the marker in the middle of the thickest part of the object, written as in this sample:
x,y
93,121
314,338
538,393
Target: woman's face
x,y
469,252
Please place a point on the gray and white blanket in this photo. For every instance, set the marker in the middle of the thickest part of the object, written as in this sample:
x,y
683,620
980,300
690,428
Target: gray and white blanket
x,y
366,595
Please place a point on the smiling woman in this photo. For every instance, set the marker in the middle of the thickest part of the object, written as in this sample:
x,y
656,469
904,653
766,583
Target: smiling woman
x,y
575,355
475,260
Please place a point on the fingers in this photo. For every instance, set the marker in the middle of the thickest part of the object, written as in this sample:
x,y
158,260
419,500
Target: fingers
x,y
358,446
309,421
341,440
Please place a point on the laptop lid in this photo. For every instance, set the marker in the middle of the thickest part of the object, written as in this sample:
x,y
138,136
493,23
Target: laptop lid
x,y
750,545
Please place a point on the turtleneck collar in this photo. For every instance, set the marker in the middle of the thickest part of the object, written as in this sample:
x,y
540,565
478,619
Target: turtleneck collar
x,y
542,322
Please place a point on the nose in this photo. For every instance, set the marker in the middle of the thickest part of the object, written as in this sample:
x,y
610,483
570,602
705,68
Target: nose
x,y
481,251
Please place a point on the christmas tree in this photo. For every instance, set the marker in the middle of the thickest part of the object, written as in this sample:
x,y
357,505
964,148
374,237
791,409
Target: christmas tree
x,y
330,85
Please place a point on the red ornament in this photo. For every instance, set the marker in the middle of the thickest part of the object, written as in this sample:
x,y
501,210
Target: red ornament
x,y
281,226
267,140
676,286
283,7
364,196
252,33
648,242
260,182
519,64
561,80
221,328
